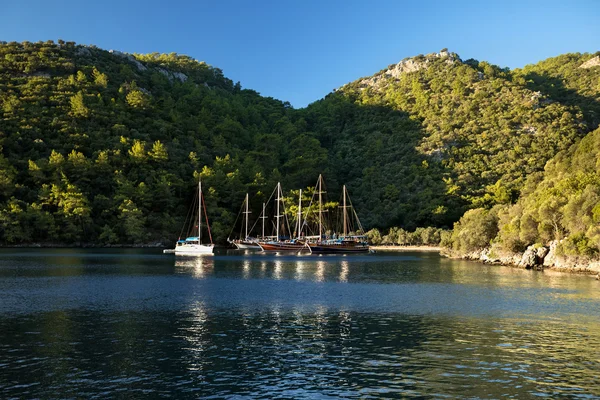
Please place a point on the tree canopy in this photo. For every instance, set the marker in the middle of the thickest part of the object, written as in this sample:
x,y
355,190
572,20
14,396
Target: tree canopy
x,y
106,148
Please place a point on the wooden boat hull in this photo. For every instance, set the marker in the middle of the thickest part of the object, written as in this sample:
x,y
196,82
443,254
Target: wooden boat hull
x,y
282,246
240,245
319,248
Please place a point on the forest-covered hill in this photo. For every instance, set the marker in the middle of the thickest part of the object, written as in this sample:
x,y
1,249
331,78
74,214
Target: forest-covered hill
x,y
102,147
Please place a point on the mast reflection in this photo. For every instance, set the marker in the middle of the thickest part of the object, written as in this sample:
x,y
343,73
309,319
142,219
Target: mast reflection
x,y
278,269
344,271
320,273
299,271
246,269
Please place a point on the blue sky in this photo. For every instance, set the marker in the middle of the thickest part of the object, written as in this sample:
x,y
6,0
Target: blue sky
x,y
299,51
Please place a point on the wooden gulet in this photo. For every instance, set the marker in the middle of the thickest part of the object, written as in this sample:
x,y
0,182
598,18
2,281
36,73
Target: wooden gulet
x,y
247,242
279,245
343,244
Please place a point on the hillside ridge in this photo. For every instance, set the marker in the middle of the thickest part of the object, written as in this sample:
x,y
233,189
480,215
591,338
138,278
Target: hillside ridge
x,y
104,147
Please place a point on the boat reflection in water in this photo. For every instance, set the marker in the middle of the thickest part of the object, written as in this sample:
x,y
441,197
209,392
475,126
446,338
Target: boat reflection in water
x,y
344,271
299,275
198,266
320,273
278,269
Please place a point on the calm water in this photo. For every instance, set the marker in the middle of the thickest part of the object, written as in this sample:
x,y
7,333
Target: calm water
x,y
133,324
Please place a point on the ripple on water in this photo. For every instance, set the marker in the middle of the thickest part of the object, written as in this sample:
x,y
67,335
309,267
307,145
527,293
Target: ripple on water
x,y
101,325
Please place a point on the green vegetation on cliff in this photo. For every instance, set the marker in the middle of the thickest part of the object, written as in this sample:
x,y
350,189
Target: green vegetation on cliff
x,y
105,147
562,202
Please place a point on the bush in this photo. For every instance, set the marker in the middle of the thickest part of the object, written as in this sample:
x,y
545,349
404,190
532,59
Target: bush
x,y
577,245
475,230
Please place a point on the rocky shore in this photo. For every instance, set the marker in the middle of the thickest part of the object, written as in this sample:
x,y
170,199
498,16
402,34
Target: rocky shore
x,y
534,257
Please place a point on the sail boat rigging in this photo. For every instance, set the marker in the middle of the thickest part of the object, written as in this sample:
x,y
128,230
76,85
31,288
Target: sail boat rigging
x,y
344,242
278,243
247,243
192,245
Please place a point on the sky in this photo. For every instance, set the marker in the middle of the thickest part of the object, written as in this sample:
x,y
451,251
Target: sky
x,y
299,51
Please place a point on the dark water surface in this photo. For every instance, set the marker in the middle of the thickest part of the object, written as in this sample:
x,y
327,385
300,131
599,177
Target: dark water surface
x,y
140,324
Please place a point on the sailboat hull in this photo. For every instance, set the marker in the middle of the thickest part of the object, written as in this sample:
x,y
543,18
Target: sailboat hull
x,y
317,248
194,250
240,245
281,246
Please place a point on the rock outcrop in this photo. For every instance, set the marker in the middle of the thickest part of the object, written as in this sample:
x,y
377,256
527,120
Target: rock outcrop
x,y
129,57
529,258
407,65
83,51
594,62
173,75
534,257
550,259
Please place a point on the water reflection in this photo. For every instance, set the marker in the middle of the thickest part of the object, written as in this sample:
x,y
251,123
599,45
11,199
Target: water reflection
x,y
198,267
278,269
320,273
263,269
295,327
344,271
194,332
246,268
299,271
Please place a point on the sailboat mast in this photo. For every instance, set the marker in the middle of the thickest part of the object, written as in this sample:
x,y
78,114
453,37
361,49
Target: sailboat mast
x,y
299,213
320,206
277,216
263,221
246,216
345,214
199,211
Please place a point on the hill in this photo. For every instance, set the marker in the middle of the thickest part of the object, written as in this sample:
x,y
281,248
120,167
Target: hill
x,y
448,134
101,147
105,147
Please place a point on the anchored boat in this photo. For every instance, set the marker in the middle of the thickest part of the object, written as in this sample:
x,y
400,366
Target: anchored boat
x,y
343,243
192,245
247,242
278,243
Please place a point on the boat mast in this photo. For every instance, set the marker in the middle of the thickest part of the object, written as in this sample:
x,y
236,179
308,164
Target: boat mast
x,y
299,213
277,215
345,214
320,207
199,211
263,221
246,212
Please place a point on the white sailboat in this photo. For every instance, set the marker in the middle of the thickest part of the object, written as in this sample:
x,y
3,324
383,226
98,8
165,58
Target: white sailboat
x,y
192,245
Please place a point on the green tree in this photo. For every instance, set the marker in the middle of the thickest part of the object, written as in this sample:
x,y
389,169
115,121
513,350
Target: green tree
x,y
100,78
78,107
133,221
137,151
138,99
475,230
158,152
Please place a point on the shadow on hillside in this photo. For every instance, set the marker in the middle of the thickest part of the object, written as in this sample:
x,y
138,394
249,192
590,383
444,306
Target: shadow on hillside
x,y
555,89
374,151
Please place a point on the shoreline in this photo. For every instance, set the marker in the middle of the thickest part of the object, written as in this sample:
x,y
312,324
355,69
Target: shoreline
x,y
406,248
537,258
84,246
